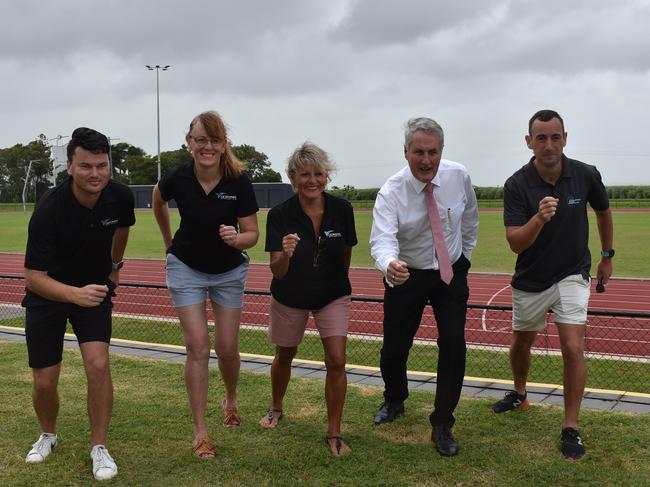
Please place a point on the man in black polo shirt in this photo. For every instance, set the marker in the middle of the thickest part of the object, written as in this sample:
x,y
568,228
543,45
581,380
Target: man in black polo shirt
x,y
77,236
547,227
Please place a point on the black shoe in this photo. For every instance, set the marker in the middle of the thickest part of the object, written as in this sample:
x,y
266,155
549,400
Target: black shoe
x,y
572,446
512,400
445,442
388,412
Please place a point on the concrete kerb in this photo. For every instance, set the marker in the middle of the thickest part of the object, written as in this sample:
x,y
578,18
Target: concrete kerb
x,y
472,386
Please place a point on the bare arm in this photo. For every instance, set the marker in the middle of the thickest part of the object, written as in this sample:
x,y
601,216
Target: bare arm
x,y
280,259
40,283
161,212
605,225
120,238
520,238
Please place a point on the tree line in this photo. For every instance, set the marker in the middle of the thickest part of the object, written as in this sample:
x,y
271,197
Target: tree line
x,y
351,193
130,165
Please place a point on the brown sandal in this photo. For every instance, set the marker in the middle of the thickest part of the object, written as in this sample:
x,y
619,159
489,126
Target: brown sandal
x,y
341,449
231,417
271,419
203,449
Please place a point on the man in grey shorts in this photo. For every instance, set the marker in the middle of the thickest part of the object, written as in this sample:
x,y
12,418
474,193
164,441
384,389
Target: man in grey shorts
x,y
545,215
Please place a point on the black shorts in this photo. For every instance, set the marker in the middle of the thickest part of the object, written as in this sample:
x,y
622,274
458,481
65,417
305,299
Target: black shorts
x,y
45,327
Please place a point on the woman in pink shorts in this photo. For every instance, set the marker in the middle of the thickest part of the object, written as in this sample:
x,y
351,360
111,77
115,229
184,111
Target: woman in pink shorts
x,y
310,237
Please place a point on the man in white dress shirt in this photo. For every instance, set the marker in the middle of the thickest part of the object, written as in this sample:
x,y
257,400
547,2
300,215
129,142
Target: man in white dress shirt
x,y
404,250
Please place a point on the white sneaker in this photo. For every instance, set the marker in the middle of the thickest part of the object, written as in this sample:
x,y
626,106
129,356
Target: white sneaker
x,y
42,448
104,467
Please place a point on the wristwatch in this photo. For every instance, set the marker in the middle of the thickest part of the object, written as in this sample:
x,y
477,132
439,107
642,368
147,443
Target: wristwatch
x,y
118,265
607,253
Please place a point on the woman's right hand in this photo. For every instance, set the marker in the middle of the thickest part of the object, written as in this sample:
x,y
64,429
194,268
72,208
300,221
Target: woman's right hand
x,y
289,243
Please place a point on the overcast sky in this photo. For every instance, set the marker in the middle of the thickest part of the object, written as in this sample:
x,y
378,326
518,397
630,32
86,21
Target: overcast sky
x,y
345,74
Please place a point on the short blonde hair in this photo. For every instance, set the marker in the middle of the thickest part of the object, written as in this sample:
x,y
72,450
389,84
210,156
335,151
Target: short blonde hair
x,y
309,154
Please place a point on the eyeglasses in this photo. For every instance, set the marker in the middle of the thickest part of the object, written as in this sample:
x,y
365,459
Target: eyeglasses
x,y
203,141
321,244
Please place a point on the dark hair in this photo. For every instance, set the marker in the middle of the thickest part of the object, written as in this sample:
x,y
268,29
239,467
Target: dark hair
x,y
88,139
544,116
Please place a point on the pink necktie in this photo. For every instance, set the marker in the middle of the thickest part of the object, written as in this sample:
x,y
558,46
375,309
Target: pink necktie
x,y
444,263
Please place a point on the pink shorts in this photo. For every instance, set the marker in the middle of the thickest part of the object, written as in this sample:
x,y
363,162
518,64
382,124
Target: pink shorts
x,y
287,325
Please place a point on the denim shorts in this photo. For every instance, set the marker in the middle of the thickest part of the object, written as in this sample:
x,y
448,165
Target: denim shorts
x,y
188,286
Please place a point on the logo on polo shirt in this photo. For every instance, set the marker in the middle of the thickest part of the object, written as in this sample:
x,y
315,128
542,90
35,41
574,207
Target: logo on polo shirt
x,y
224,196
107,222
572,200
332,234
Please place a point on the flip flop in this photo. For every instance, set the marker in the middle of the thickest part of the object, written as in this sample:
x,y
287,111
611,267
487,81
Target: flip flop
x,y
342,448
270,421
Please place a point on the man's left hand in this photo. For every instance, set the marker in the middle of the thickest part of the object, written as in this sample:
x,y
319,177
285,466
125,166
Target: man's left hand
x,y
604,271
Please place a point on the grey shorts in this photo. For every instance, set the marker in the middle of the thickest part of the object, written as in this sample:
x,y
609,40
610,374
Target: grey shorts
x,y
568,299
188,286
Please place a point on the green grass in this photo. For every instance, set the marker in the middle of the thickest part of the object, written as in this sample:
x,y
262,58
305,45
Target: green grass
x,y
151,433
491,255
547,369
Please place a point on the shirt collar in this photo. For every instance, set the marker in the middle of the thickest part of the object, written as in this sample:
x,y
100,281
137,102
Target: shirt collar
x,y
534,179
417,185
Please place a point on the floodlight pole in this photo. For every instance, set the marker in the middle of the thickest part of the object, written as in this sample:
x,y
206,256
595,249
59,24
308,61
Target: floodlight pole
x,y
29,168
157,68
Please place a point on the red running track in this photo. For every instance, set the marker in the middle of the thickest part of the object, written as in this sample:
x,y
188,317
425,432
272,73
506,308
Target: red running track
x,y
484,327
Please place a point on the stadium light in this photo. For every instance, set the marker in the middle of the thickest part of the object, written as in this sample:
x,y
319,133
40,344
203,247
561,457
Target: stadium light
x,y
158,68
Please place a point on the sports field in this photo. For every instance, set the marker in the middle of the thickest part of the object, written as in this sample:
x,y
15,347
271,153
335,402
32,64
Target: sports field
x,y
631,230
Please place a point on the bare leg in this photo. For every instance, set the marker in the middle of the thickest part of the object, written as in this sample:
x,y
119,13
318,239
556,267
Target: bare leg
x,y
197,344
335,391
572,341
226,331
522,341
280,376
45,396
100,389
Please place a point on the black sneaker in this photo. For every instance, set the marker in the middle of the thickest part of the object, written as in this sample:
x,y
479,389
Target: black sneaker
x,y
510,401
572,446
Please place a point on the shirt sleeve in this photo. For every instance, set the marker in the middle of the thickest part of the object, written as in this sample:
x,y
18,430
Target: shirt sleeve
x,y
247,201
166,185
384,246
127,213
598,198
470,219
40,242
274,231
350,228
514,206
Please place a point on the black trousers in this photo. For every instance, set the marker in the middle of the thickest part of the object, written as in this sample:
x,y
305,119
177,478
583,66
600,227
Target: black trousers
x,y
403,308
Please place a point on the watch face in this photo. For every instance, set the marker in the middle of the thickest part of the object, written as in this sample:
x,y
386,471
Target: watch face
x,y
607,253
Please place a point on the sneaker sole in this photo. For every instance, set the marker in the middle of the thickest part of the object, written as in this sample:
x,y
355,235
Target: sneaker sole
x,y
523,405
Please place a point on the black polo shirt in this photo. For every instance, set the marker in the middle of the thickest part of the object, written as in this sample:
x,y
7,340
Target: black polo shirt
x,y
317,273
562,247
73,243
197,242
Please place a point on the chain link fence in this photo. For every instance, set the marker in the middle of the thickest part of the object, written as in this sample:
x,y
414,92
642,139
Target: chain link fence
x,y
617,344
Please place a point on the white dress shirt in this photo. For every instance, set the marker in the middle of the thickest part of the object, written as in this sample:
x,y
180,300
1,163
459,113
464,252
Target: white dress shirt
x,y
401,228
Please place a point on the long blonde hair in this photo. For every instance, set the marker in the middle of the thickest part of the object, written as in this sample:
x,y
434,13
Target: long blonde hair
x,y
231,167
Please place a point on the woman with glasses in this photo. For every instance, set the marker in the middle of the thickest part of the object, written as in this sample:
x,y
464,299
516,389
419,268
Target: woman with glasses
x,y
310,237
218,214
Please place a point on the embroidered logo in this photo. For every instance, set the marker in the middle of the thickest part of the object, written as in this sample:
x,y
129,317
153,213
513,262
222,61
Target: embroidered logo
x,y
107,222
332,234
572,200
224,196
